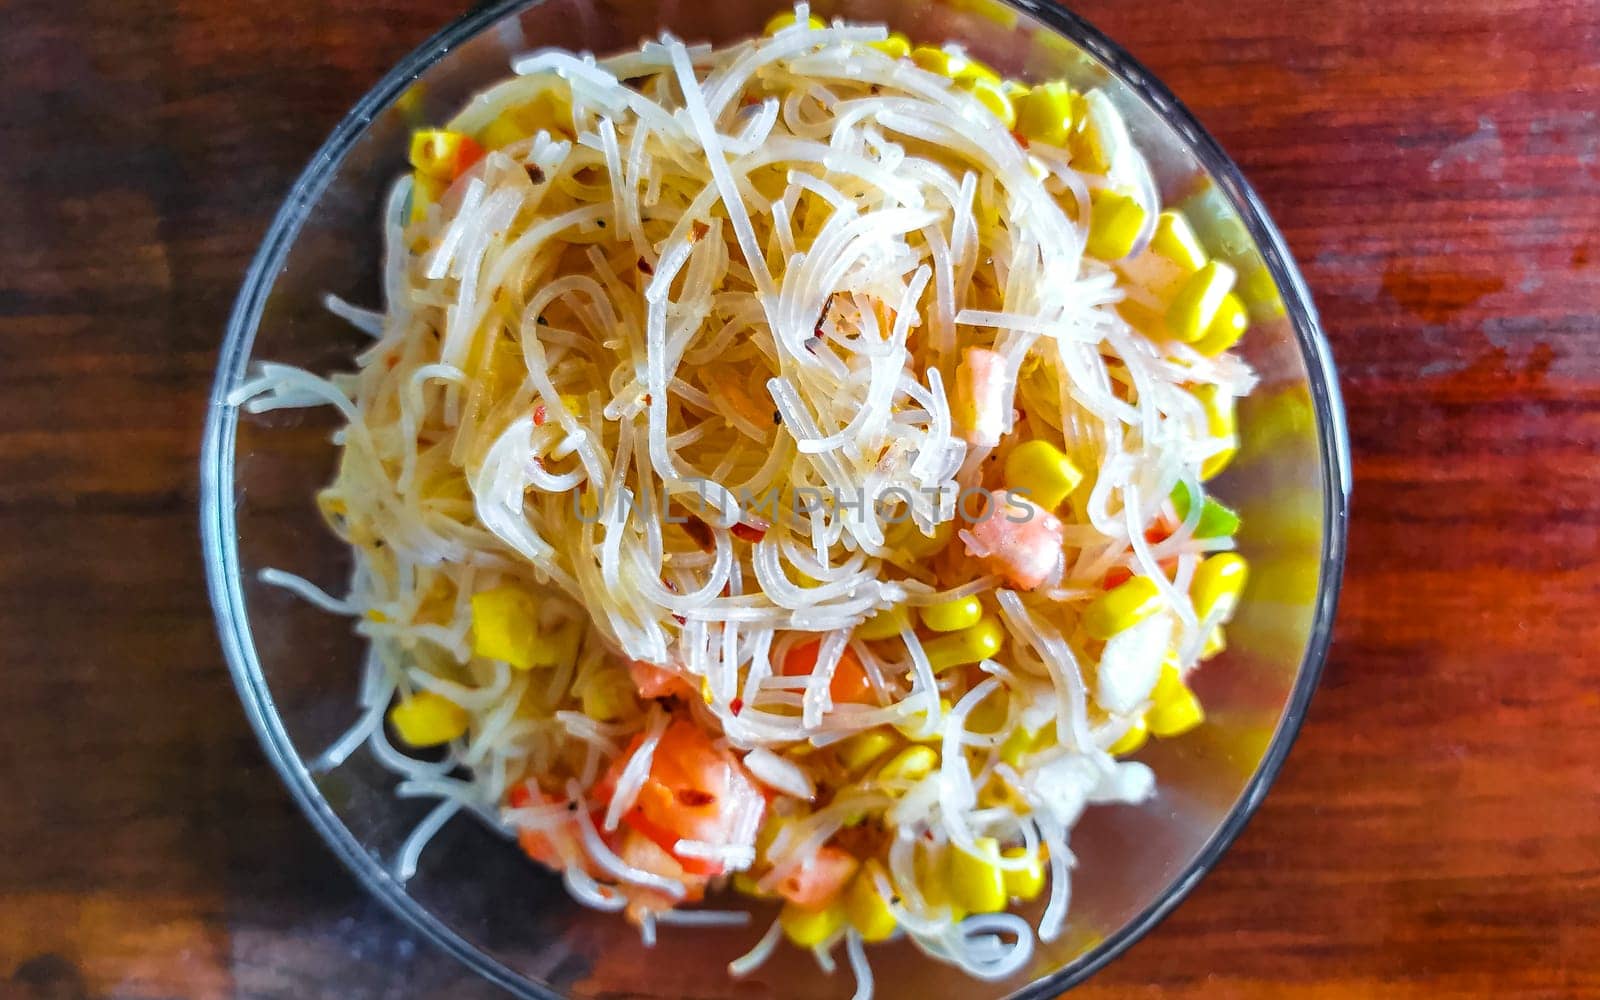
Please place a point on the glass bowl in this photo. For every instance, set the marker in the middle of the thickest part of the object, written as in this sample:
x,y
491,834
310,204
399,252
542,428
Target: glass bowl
x,y
474,894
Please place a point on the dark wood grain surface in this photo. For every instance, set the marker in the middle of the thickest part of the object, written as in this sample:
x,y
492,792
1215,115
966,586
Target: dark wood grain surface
x,y
1435,165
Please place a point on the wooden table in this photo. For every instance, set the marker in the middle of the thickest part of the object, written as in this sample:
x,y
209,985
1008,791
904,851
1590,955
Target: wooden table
x,y
1436,833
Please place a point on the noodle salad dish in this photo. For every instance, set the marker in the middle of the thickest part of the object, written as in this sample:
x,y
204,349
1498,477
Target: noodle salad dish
x,y
780,470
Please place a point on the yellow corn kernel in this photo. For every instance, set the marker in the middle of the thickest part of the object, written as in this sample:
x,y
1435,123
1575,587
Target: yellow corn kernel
x,y
992,96
1027,882
1177,715
785,19
970,645
973,69
1131,740
909,765
1199,300
1175,240
952,615
988,716
1216,463
440,153
934,60
427,720
866,908
860,750
1217,584
1044,114
548,111
1220,422
1114,223
751,886
1024,741
425,193
977,883
809,928
886,624
921,546
1262,292
1231,321
501,132
608,695
1122,608
896,46
505,624
1216,642
1169,685
1043,471
933,878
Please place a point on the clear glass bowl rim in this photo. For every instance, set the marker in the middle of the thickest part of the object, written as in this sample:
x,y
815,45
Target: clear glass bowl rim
x,y
219,537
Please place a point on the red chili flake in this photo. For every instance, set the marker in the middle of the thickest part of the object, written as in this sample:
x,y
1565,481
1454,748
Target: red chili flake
x,y
700,532
535,173
736,706
751,533
698,231
647,399
644,266
538,415
1117,576
669,585
680,619
1157,533
827,307
1022,140
695,798
391,361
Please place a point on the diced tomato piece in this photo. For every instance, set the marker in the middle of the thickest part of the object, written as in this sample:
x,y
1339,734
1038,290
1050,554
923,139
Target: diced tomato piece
x,y
645,854
694,791
658,682
538,415
1017,539
849,678
820,879
1116,576
750,532
470,153
536,844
